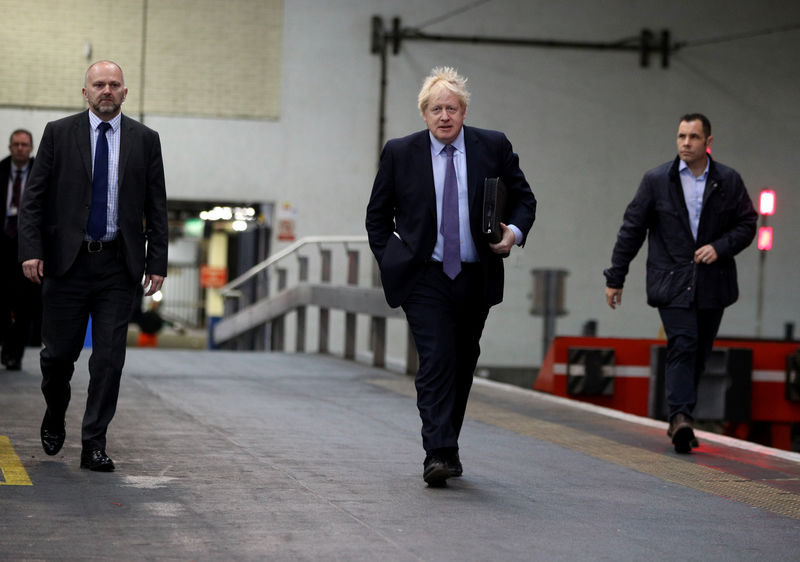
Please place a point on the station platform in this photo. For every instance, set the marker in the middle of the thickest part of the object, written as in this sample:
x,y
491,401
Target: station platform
x,y
268,456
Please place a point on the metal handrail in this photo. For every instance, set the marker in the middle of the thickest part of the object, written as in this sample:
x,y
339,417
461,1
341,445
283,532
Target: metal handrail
x,y
229,289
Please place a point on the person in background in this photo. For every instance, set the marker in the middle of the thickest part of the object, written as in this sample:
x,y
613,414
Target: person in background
x,y
696,215
20,305
150,324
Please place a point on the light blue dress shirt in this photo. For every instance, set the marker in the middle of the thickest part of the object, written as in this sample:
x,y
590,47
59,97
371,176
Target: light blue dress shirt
x,y
113,136
439,160
693,190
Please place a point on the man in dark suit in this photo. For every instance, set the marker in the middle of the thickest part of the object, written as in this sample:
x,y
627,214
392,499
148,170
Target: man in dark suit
x,y
696,215
424,226
93,222
19,298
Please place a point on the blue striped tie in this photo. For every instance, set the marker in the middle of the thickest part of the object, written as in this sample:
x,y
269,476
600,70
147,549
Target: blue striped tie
x,y
98,211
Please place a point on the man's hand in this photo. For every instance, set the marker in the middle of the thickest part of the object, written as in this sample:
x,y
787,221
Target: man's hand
x,y
613,297
506,243
33,270
706,254
155,282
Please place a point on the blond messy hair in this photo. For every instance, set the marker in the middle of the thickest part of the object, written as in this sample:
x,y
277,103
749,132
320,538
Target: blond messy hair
x,y
447,77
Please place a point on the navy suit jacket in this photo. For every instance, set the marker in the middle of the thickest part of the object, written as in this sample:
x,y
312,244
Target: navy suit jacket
x,y
401,214
55,205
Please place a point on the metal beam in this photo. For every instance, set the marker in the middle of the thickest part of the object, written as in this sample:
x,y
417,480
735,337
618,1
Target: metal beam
x,y
644,43
382,38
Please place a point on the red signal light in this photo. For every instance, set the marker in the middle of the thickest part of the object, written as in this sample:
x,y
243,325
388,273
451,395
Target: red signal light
x,y
765,238
766,202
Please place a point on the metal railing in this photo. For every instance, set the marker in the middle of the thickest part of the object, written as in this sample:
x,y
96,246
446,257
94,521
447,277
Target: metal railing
x,y
255,319
184,303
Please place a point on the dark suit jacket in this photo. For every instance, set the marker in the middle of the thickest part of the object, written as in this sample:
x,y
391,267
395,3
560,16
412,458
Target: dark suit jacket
x,y
8,247
658,212
5,174
403,201
57,197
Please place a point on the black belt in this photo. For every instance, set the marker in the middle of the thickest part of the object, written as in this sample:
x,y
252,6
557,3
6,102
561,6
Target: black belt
x,y
97,246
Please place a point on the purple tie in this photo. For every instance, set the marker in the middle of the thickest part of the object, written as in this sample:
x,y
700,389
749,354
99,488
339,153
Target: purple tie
x,y
98,210
451,258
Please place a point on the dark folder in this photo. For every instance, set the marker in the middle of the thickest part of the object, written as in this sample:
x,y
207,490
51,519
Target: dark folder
x,y
494,207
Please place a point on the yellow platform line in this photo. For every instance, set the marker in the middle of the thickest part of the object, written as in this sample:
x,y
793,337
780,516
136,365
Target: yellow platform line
x,y
13,474
667,468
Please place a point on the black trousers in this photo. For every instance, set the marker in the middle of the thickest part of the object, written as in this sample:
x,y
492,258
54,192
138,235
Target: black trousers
x,y
446,317
690,339
97,285
20,302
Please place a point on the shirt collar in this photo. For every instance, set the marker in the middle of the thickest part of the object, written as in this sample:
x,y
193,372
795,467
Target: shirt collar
x,y
684,166
437,146
94,121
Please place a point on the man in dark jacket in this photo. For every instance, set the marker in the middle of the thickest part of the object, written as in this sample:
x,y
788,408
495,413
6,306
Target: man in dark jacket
x,y
424,226
20,300
697,216
93,225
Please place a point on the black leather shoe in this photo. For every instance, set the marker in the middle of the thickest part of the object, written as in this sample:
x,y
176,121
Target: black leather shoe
x,y
454,464
97,460
13,364
436,471
52,439
682,433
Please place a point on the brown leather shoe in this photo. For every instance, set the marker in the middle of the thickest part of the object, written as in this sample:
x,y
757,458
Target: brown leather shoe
x,y
682,433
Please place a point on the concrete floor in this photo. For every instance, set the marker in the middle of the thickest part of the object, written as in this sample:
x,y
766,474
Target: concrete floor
x,y
256,456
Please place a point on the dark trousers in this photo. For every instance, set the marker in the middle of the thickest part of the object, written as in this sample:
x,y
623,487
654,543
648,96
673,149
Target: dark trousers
x,y
97,285
690,339
19,302
446,317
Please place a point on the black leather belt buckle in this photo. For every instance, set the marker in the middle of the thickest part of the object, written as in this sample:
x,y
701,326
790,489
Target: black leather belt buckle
x,y
94,246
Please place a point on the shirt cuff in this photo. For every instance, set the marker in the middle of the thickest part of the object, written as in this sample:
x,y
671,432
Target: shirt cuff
x,y
517,234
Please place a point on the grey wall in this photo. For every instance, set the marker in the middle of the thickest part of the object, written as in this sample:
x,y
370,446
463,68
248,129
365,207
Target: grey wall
x,y
586,124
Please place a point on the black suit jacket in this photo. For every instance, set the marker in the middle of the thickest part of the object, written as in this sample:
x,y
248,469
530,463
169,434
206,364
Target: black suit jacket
x,y
658,212
5,174
57,197
401,214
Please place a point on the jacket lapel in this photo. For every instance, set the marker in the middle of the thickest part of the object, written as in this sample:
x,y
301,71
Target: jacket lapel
x,y
473,172
423,166
125,143
676,192
712,182
5,177
83,139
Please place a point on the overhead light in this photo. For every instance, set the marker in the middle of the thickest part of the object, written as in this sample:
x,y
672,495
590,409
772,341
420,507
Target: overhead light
x,y
228,213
